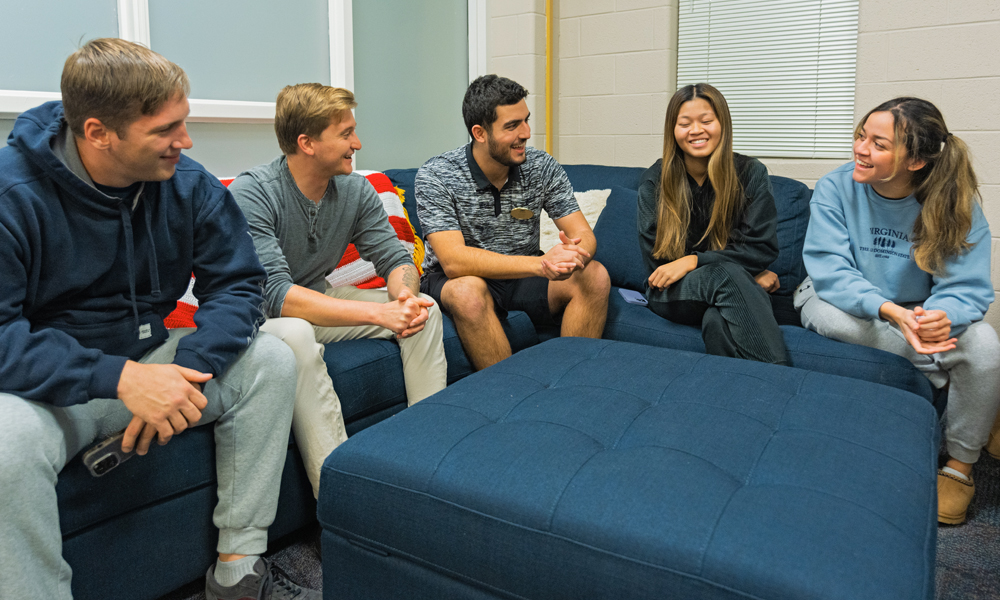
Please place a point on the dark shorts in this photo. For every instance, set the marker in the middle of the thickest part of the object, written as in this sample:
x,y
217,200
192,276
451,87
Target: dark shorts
x,y
530,295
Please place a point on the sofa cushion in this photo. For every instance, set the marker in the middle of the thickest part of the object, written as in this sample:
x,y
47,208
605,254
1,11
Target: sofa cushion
x,y
791,198
517,326
806,349
368,374
155,510
618,240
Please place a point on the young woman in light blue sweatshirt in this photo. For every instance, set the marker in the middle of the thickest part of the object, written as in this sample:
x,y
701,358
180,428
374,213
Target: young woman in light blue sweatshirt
x,y
898,256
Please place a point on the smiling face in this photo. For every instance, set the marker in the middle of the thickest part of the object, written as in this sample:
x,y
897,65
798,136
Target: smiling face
x,y
875,149
335,147
506,139
698,131
150,146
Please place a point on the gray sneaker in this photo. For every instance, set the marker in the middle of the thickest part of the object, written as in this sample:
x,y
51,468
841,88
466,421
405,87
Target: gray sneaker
x,y
269,583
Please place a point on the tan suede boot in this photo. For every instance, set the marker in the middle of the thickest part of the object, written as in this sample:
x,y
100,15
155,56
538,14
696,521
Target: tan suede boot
x,y
993,445
954,496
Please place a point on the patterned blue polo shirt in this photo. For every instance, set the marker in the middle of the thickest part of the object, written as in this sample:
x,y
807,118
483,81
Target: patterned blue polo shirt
x,y
453,194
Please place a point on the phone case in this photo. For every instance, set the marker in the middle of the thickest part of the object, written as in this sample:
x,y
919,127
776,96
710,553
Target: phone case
x,y
632,297
106,455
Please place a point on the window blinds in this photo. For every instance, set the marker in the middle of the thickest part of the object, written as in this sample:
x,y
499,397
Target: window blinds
x,y
786,68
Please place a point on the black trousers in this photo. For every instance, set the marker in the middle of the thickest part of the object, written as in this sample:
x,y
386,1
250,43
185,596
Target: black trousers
x,y
733,311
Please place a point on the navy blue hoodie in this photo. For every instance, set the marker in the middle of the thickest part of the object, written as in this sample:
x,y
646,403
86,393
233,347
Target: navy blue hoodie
x,y
86,279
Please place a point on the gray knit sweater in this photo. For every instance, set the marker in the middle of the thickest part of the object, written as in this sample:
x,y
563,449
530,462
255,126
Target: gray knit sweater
x,y
300,242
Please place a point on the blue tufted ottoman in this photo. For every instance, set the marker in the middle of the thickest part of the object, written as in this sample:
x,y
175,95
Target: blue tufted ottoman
x,y
597,469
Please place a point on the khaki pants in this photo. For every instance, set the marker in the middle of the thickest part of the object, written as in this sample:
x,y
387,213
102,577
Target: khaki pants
x,y
317,422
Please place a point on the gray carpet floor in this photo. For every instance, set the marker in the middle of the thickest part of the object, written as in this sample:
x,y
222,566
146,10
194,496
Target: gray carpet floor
x,y
968,555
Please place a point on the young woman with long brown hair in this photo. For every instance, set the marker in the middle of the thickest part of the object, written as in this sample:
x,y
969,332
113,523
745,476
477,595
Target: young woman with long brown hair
x,y
898,253
707,229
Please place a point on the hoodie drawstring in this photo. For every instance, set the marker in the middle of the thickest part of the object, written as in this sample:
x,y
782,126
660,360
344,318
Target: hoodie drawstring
x,y
130,259
154,274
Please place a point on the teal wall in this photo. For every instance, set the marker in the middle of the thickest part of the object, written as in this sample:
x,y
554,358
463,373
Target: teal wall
x,y
228,149
243,50
411,68
40,34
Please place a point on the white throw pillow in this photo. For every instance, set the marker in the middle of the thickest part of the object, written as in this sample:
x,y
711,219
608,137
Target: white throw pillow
x,y
591,204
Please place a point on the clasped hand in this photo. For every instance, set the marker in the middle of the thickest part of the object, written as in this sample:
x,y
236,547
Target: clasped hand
x,y
768,280
406,315
670,273
928,331
564,259
163,399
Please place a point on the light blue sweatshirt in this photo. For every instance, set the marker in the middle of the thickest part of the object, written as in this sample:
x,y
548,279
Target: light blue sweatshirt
x,y
858,251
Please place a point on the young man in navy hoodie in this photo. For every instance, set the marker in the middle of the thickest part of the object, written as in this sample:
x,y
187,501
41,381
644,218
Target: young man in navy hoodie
x,y
102,222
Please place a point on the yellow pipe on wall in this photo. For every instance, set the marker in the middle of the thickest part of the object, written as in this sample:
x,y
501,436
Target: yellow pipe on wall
x,y
549,92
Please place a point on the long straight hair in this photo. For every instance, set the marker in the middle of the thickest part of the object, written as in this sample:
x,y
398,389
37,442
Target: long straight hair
x,y
945,187
675,197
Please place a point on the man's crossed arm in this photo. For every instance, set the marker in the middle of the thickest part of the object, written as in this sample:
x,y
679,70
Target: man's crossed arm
x,y
575,250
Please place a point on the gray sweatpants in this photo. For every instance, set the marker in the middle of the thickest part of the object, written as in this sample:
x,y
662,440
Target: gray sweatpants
x,y
37,439
972,368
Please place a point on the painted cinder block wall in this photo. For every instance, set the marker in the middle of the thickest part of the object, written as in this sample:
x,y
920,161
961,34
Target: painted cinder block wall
x,y
616,63
516,34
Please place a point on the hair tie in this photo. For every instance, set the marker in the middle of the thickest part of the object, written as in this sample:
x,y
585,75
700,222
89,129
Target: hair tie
x,y
944,140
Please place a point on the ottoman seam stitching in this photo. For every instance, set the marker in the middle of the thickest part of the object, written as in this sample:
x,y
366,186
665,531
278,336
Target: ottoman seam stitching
x,y
438,465
555,504
852,502
715,528
618,555
577,364
884,407
754,419
852,442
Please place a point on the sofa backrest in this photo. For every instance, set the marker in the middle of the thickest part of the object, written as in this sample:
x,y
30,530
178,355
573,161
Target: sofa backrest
x,y
601,177
617,241
791,198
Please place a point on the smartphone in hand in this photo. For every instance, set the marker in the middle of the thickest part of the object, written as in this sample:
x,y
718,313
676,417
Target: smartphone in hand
x,y
106,455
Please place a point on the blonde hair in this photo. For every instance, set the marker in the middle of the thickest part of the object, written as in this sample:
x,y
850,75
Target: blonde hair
x,y
945,186
308,109
675,196
116,82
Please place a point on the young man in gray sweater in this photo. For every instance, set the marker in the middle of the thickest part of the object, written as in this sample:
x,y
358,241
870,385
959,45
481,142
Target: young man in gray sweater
x,y
304,208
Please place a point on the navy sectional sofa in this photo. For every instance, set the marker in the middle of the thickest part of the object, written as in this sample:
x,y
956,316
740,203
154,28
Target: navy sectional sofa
x,y
119,531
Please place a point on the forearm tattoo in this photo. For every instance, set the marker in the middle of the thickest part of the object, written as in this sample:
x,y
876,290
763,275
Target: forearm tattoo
x,y
411,279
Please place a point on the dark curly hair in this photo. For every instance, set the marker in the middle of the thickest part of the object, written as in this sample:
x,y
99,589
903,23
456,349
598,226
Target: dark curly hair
x,y
485,94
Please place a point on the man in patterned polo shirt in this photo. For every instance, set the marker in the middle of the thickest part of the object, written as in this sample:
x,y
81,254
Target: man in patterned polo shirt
x,y
479,206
